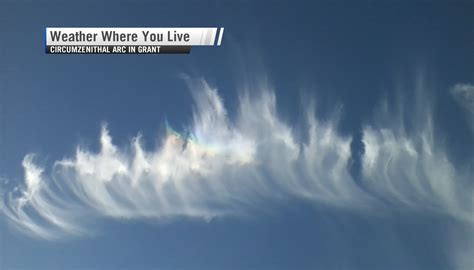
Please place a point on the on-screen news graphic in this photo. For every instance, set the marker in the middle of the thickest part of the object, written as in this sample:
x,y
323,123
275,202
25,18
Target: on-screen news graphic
x,y
129,40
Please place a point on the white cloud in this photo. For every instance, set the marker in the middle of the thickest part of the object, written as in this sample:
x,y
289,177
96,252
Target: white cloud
x,y
407,163
464,95
228,166
221,167
412,171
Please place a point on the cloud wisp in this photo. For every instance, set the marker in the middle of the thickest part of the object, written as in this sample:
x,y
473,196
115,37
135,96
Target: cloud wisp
x,y
406,161
464,94
225,166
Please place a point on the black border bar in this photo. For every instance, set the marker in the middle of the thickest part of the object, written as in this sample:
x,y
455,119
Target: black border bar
x,y
116,49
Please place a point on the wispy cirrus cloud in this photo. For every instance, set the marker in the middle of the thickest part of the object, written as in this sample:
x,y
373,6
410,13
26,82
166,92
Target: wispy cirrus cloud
x,y
406,161
220,167
463,93
223,166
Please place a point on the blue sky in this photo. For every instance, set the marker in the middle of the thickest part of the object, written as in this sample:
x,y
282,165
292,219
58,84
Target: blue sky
x,y
330,135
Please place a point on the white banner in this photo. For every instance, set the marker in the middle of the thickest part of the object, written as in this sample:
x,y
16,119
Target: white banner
x,y
178,36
